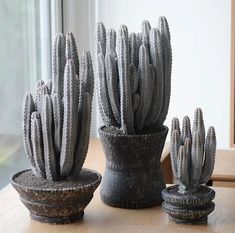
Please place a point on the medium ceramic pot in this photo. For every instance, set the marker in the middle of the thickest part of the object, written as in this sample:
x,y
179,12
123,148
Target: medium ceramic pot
x,y
191,207
133,176
58,202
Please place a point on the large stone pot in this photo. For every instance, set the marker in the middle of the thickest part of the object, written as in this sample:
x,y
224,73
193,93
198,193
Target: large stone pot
x,y
192,207
133,176
59,202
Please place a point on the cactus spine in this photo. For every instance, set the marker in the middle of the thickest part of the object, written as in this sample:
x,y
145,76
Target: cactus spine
x,y
192,156
134,77
57,121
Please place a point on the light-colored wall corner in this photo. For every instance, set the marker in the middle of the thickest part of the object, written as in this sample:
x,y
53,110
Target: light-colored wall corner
x,y
200,31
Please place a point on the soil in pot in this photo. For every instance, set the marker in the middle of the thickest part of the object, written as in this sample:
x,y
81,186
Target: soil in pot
x,y
57,202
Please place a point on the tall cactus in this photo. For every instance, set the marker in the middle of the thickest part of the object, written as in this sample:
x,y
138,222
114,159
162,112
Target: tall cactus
x,y
192,156
134,77
57,121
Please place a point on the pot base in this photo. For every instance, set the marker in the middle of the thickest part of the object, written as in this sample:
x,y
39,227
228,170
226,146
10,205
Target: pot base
x,y
130,204
193,222
57,220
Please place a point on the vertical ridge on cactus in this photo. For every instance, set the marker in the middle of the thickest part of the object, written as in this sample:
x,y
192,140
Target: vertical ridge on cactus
x,y
200,154
57,125
142,84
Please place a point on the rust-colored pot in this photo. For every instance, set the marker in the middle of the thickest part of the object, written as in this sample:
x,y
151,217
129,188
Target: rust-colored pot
x,y
133,177
61,205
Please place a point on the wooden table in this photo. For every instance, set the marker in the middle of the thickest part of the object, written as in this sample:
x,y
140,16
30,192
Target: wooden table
x,y
224,171
100,218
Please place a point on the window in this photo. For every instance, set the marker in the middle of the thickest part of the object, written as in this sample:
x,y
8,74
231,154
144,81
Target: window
x,y
25,57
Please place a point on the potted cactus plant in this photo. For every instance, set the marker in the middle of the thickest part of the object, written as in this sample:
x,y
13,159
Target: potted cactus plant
x,y
56,129
192,159
133,86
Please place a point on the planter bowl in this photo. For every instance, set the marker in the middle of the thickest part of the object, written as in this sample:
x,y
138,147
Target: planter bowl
x,y
192,207
57,205
133,176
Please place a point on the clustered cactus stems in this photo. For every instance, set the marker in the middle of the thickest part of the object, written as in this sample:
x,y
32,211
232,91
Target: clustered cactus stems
x,y
57,119
134,76
192,154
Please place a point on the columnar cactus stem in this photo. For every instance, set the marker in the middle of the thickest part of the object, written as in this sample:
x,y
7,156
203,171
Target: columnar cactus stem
x,y
104,101
58,61
175,145
192,161
57,114
210,151
101,39
145,88
156,55
37,145
111,43
112,85
71,51
84,134
28,110
167,65
69,120
48,149
186,129
127,117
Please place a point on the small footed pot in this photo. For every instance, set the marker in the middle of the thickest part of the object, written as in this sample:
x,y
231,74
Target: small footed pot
x,y
191,207
133,177
57,202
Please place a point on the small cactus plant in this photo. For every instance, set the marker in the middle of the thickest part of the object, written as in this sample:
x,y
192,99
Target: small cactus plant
x,y
192,154
134,77
57,119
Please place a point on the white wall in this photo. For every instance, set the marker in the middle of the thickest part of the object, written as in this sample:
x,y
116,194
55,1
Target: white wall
x,y
200,31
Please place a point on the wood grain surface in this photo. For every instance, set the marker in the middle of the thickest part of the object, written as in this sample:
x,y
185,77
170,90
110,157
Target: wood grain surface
x,y
100,218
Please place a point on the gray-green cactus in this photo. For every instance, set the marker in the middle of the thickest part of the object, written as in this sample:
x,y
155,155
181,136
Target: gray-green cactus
x,y
192,155
57,120
134,77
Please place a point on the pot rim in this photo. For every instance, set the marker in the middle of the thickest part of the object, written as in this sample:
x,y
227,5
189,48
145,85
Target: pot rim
x,y
164,129
57,190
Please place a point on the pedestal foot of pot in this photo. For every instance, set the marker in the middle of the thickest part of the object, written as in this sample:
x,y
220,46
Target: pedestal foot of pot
x,y
130,204
57,220
189,221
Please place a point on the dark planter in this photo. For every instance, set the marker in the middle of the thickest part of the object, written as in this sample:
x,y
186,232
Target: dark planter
x,y
133,176
61,205
192,208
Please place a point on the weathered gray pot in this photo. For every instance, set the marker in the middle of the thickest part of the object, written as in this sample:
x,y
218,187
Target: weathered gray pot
x,y
133,176
58,206
193,207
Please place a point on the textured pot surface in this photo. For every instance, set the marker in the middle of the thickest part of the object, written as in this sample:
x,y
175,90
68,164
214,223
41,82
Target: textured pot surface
x,y
133,176
191,207
59,204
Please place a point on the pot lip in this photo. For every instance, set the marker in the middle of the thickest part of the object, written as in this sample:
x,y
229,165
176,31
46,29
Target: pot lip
x,y
53,190
164,129
171,196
